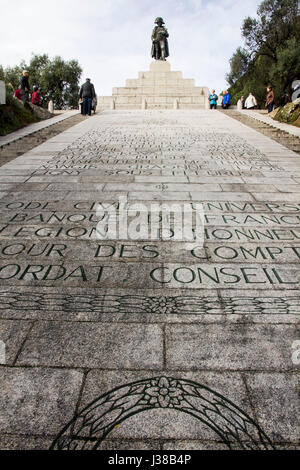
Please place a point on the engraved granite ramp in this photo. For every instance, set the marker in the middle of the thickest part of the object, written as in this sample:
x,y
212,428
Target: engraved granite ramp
x,y
150,337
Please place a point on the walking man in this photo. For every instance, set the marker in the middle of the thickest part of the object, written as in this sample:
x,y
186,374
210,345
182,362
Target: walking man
x,y
213,98
25,87
87,94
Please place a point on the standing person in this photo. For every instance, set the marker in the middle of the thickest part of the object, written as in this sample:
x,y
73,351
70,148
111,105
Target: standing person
x,y
241,103
270,99
25,86
87,93
226,100
36,99
213,98
250,102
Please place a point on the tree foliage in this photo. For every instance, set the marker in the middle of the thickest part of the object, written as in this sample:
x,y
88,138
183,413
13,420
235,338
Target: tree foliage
x,y
12,76
238,65
271,54
2,76
287,68
57,79
276,22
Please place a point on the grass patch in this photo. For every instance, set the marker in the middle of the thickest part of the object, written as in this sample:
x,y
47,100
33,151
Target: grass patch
x,y
14,115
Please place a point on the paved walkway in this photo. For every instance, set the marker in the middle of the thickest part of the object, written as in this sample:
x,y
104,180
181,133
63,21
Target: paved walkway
x,y
198,330
37,126
293,130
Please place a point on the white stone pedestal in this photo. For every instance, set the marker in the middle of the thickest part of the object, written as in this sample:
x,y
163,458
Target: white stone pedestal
x,y
159,88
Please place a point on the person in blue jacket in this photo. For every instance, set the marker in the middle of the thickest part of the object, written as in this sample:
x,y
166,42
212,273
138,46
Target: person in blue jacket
x,y
213,98
226,100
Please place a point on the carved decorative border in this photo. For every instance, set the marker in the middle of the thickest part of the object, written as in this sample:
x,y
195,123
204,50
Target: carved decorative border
x,y
142,304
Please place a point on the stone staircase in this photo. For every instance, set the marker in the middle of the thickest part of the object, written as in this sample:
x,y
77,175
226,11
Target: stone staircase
x,y
158,88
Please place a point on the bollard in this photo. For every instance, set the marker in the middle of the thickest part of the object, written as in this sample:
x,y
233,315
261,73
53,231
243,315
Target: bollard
x,y
51,107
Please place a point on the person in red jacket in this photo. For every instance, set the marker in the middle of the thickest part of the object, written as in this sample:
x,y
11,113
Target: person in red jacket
x,y
17,94
36,99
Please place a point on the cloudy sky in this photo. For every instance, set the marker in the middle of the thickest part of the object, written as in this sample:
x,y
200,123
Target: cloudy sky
x,y
111,39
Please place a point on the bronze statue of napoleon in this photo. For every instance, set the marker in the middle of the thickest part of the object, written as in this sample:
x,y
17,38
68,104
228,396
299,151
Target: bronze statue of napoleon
x,y
160,46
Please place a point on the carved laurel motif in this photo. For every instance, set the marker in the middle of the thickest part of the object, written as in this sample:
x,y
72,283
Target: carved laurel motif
x,y
93,423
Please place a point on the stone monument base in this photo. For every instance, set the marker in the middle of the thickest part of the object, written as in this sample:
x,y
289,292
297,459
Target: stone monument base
x,y
160,88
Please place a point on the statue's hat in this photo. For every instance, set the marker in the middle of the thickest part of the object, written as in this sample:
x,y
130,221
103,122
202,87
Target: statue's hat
x,y
159,18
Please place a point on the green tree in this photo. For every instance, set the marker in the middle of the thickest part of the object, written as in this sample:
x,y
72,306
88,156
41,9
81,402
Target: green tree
x,y
60,82
238,65
271,54
12,75
287,69
276,22
36,68
56,78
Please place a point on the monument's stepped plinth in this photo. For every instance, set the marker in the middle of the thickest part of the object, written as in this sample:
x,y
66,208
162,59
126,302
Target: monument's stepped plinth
x,y
158,88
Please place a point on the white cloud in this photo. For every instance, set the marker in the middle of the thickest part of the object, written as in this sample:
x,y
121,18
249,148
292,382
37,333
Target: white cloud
x,y
111,38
